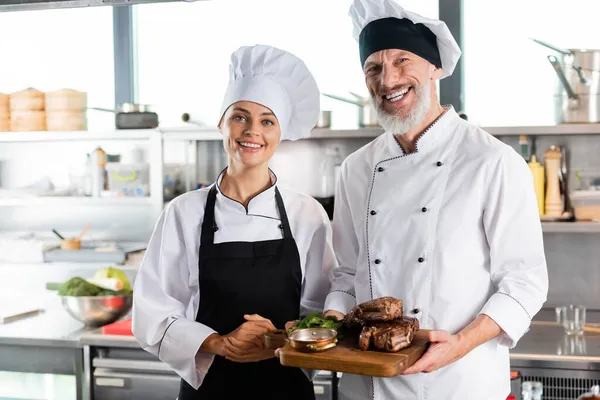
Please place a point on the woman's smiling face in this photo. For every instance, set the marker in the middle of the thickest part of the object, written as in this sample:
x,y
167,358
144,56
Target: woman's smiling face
x,y
251,133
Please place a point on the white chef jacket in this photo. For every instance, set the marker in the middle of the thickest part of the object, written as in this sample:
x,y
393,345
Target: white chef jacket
x,y
453,230
166,291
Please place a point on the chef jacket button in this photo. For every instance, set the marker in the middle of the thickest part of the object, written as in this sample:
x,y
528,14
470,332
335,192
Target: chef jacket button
x,y
439,164
377,261
380,169
373,212
416,311
280,226
424,209
421,259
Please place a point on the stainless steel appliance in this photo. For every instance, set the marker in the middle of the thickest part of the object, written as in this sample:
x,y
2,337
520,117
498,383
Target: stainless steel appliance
x,y
125,374
325,384
577,91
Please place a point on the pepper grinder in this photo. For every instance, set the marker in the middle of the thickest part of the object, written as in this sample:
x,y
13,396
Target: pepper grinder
x,y
554,206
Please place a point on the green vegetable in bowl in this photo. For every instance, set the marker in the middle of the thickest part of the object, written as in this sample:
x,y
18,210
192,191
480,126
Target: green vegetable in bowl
x,y
316,320
80,287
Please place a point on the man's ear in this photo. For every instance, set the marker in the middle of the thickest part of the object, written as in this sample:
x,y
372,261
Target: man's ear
x,y
436,74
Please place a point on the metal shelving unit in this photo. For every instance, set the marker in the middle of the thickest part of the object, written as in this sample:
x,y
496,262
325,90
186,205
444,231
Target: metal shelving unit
x,y
571,227
56,136
153,138
73,201
562,129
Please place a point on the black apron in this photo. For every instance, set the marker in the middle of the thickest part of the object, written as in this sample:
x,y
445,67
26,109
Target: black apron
x,y
238,278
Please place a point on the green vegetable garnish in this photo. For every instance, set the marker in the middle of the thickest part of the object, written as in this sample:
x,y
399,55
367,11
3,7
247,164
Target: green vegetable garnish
x,y
80,287
316,320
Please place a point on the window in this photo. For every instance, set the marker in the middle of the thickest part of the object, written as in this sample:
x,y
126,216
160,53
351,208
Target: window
x,y
508,79
183,66
65,48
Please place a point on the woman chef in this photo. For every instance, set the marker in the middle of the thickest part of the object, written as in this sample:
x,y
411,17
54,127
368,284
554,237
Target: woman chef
x,y
227,264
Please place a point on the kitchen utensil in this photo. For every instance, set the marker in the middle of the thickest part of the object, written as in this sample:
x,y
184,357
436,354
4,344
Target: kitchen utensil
x,y
553,203
577,93
306,340
95,311
85,229
70,244
313,339
345,357
133,116
58,234
367,115
186,117
324,120
276,339
7,317
572,318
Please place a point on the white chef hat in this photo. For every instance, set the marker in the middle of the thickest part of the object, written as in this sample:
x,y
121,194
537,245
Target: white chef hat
x,y
385,24
279,81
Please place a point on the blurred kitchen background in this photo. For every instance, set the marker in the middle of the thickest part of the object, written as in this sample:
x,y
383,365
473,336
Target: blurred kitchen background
x,y
107,113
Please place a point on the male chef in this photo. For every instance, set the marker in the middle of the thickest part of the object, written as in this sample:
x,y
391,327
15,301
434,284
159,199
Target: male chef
x,y
435,212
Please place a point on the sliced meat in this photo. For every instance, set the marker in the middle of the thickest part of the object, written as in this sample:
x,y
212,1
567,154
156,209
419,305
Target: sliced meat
x,y
414,323
392,336
377,310
366,337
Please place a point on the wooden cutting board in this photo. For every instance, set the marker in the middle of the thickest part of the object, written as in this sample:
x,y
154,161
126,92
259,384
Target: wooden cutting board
x,y
347,357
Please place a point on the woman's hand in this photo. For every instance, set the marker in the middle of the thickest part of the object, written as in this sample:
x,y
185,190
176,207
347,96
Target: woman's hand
x,y
246,344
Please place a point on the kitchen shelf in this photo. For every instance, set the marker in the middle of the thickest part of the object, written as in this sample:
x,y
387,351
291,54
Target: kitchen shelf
x,y
562,129
571,227
54,136
70,201
322,133
191,133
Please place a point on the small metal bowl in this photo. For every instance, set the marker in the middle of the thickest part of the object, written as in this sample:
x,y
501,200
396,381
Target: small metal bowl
x,y
95,311
313,339
276,339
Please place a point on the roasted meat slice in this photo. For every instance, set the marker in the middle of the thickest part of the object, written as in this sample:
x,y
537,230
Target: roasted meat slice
x,y
392,336
366,337
377,310
414,323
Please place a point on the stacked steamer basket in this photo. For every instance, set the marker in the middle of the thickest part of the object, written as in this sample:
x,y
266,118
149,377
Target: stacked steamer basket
x,y
66,110
4,113
27,111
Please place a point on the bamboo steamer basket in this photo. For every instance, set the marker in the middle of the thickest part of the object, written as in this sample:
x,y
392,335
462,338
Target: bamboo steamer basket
x,y
66,121
66,100
4,124
29,99
4,105
26,121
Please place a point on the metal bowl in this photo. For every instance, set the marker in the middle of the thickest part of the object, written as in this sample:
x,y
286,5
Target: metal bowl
x,y
95,311
313,339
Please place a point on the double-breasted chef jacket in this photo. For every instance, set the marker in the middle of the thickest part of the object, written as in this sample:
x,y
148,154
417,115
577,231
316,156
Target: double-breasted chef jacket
x,y
167,290
453,230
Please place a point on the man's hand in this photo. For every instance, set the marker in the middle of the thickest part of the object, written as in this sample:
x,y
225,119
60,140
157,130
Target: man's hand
x,y
290,324
246,344
446,348
336,314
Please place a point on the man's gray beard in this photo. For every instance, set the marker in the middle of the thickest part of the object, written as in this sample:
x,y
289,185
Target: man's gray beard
x,y
399,125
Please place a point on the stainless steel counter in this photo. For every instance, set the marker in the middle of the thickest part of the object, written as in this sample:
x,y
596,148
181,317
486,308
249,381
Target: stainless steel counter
x,y
546,345
53,327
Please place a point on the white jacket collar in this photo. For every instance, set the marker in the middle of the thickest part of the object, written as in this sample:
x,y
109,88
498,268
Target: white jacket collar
x,y
438,133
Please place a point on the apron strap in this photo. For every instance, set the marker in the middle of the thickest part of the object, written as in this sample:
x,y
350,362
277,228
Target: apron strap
x,y
285,223
208,224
